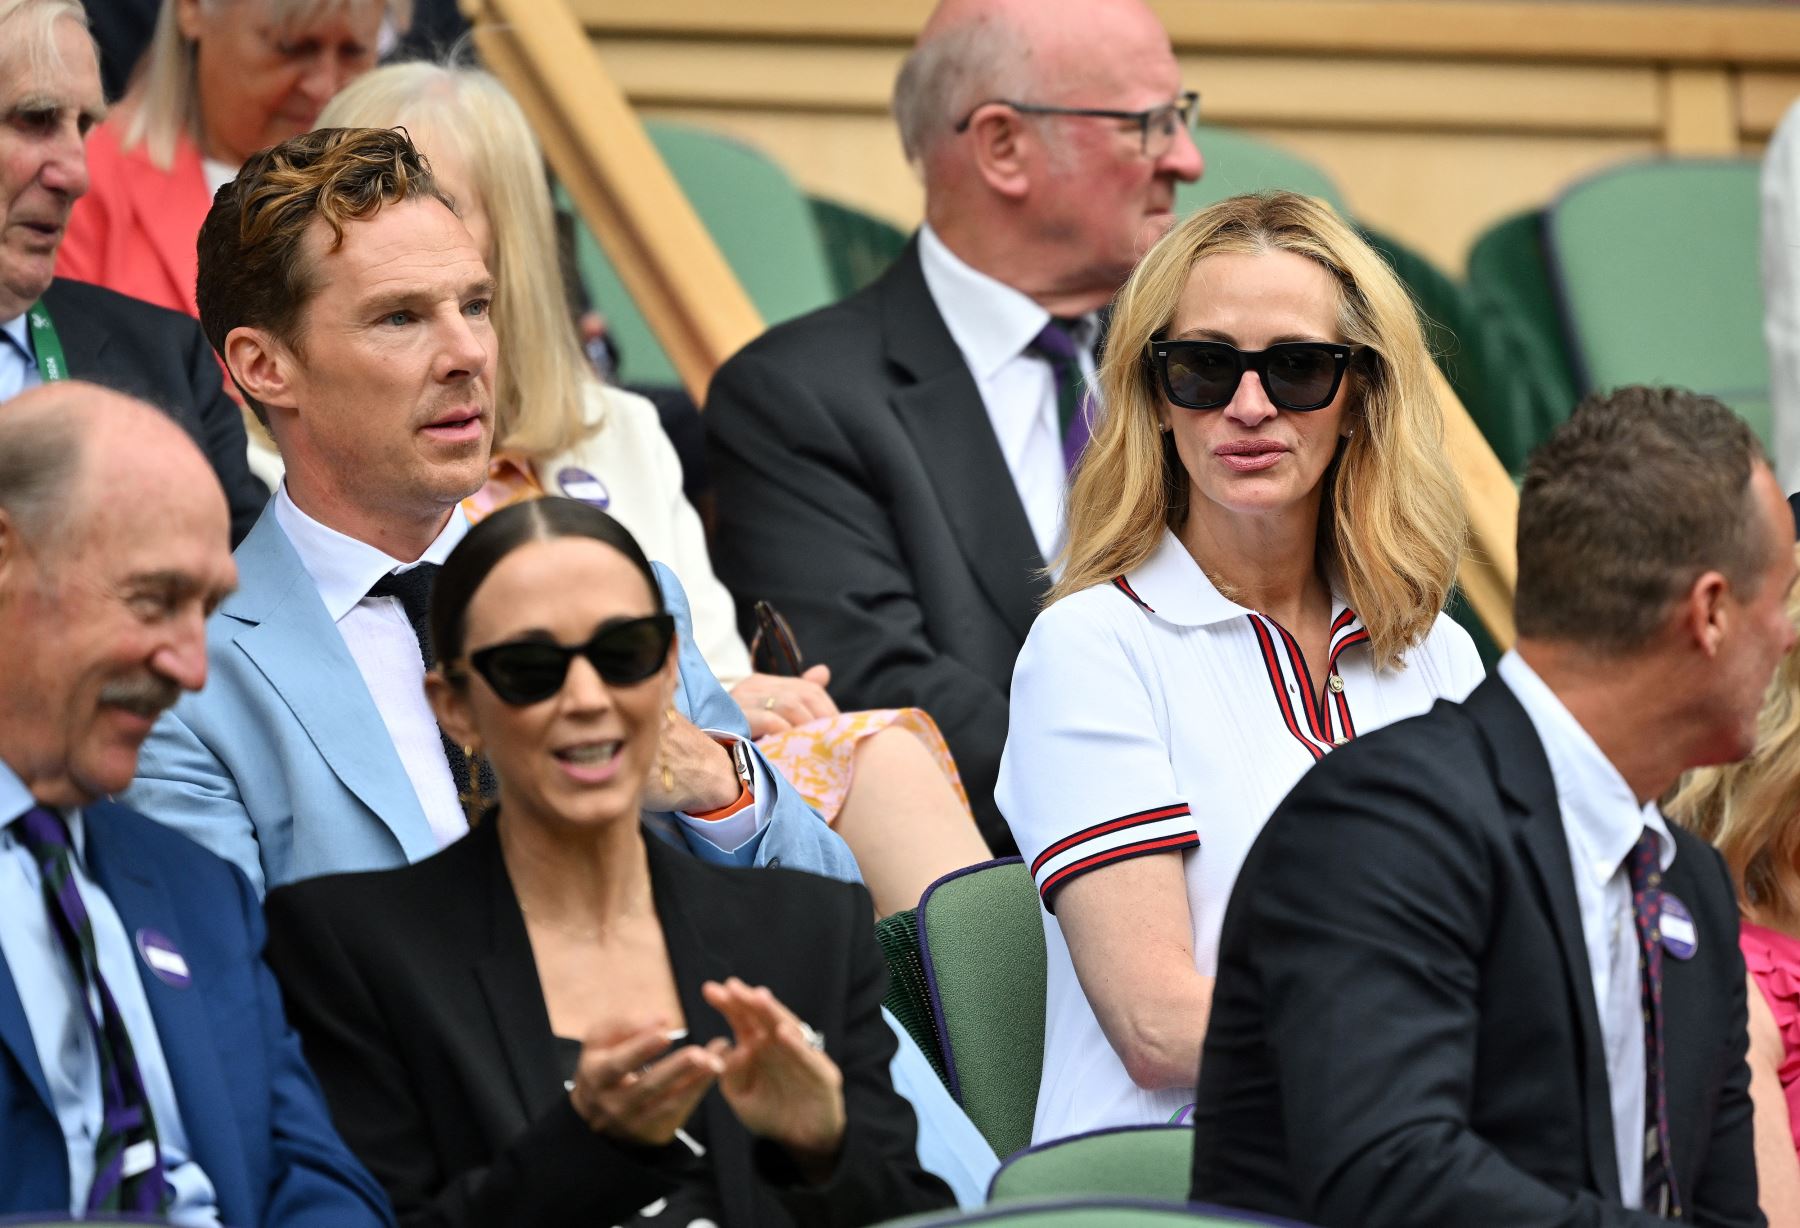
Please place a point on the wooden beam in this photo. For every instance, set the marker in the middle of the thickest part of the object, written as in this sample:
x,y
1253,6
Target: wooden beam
x,y
1490,568
1699,113
601,153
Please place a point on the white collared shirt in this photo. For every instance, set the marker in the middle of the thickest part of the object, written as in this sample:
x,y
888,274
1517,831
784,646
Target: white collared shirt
x,y
386,651
1154,715
18,359
1603,822
992,323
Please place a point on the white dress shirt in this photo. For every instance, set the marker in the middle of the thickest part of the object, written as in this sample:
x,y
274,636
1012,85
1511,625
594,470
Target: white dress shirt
x,y
1603,823
1162,718
18,359
384,647
1781,291
65,1044
992,323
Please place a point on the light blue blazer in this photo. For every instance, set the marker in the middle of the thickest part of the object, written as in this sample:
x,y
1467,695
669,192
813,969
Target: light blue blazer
x,y
282,764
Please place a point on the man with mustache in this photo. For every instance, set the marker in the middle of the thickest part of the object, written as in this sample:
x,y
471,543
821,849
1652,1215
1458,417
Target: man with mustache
x,y
890,470
148,1067
53,328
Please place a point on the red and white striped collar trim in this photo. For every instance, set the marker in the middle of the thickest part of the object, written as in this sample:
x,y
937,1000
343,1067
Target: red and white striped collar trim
x,y
1170,585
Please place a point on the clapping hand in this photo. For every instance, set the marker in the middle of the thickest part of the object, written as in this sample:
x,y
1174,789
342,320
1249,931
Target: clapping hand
x,y
625,1090
777,1078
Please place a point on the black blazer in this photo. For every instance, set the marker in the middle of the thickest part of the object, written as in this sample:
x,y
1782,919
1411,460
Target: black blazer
x,y
162,357
418,1003
1403,1028
861,490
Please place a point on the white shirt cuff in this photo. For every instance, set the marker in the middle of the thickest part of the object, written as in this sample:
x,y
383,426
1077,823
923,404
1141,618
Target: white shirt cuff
x,y
734,831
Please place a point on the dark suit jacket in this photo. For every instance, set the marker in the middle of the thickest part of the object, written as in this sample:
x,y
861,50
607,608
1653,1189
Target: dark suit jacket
x,y
162,357
255,1120
418,999
861,490
1403,1029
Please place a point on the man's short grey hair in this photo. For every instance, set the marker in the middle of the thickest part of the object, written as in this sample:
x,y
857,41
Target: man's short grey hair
x,y
31,25
40,464
954,72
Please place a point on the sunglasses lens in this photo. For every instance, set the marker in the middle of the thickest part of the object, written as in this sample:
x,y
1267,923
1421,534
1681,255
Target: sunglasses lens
x,y
1202,376
524,673
630,652
1301,376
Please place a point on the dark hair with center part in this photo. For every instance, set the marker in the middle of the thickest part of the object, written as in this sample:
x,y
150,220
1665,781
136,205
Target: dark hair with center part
x,y
536,520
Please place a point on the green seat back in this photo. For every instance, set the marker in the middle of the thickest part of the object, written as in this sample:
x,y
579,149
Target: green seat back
x,y
762,223
1136,1161
1660,279
983,941
1237,162
858,246
1509,284
908,996
1093,1213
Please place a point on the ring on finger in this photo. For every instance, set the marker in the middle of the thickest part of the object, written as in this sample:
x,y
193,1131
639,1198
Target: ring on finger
x,y
815,1039
769,703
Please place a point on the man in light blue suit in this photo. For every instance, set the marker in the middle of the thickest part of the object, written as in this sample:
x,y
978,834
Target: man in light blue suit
x,y
370,358
145,1063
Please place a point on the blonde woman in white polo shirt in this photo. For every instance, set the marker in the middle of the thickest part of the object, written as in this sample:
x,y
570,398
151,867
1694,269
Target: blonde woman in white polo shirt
x,y
1261,539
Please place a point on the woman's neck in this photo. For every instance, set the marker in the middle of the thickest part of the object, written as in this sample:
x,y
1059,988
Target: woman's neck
x,y
576,879
1267,562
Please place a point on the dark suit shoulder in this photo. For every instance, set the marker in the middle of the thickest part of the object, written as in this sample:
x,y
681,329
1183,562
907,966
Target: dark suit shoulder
x,y
81,305
121,827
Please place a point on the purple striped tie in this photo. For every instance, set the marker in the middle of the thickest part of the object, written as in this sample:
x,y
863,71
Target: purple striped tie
x,y
1645,870
1056,346
125,1119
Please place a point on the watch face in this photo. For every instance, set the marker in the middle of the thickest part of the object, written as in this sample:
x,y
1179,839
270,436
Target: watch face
x,y
740,759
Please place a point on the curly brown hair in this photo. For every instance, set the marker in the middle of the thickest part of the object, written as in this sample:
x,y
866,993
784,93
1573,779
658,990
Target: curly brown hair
x,y
253,267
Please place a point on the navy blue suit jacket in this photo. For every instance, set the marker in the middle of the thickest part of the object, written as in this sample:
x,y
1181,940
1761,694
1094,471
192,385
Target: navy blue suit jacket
x,y
256,1121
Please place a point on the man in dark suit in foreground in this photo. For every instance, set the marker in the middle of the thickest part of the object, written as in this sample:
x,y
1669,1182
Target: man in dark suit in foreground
x,y
890,470
145,1065
1469,976
60,329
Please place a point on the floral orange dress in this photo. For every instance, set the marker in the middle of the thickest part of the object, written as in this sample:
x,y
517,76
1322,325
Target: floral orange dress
x,y
1773,959
819,756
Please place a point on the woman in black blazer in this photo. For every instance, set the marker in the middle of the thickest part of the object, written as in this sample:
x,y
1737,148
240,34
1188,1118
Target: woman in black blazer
x,y
557,1020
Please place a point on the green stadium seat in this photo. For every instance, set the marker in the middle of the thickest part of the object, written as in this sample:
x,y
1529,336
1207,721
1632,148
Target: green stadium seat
x,y
1094,1213
1130,1162
908,996
1509,284
761,222
983,942
1659,279
1237,162
858,246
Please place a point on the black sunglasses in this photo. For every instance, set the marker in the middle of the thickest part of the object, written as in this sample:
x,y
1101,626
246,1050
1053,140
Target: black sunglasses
x,y
531,671
1299,376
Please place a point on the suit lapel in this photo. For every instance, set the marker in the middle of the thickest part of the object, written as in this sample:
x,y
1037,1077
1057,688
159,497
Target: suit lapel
x,y
302,655
1523,774
183,1025
941,410
84,348
15,1036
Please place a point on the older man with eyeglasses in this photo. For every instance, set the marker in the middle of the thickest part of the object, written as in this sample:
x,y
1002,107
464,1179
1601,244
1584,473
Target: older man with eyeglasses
x,y
890,470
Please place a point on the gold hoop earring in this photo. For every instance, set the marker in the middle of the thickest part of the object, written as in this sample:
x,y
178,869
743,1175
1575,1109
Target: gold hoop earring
x,y
471,798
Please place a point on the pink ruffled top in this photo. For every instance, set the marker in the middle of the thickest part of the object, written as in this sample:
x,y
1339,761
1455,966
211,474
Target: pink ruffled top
x,y
1773,958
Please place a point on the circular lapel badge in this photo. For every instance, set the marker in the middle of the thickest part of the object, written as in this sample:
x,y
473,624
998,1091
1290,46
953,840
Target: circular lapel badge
x,y
580,484
1677,924
159,954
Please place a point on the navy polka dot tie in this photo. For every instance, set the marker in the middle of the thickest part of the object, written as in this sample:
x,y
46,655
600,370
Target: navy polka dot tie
x,y
1644,866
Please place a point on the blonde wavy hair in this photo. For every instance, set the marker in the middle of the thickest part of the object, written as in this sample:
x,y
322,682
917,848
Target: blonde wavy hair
x,y
1393,526
1750,810
167,105
538,392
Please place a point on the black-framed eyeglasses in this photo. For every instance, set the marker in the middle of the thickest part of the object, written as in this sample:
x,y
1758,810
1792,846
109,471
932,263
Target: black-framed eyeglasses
x,y
623,653
1157,126
773,648
1299,376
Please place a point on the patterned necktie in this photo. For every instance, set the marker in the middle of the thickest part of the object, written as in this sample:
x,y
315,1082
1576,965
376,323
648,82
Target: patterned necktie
x,y
128,1173
412,588
1056,346
1644,866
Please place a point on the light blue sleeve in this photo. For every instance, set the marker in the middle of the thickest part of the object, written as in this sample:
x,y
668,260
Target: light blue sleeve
x,y
950,1147
794,835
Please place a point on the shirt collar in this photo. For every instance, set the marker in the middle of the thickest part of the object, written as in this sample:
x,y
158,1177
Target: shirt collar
x,y
990,322
16,799
1175,588
344,569
20,332
1600,813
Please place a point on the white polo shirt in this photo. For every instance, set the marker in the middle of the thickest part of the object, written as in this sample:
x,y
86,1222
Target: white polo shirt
x,y
1154,715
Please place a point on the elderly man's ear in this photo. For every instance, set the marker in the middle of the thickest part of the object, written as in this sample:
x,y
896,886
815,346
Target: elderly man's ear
x,y
1003,144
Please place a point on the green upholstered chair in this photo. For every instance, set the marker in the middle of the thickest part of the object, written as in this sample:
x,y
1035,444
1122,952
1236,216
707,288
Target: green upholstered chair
x,y
908,996
1659,276
1509,285
1237,162
762,223
983,943
858,246
1131,1162
1094,1213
